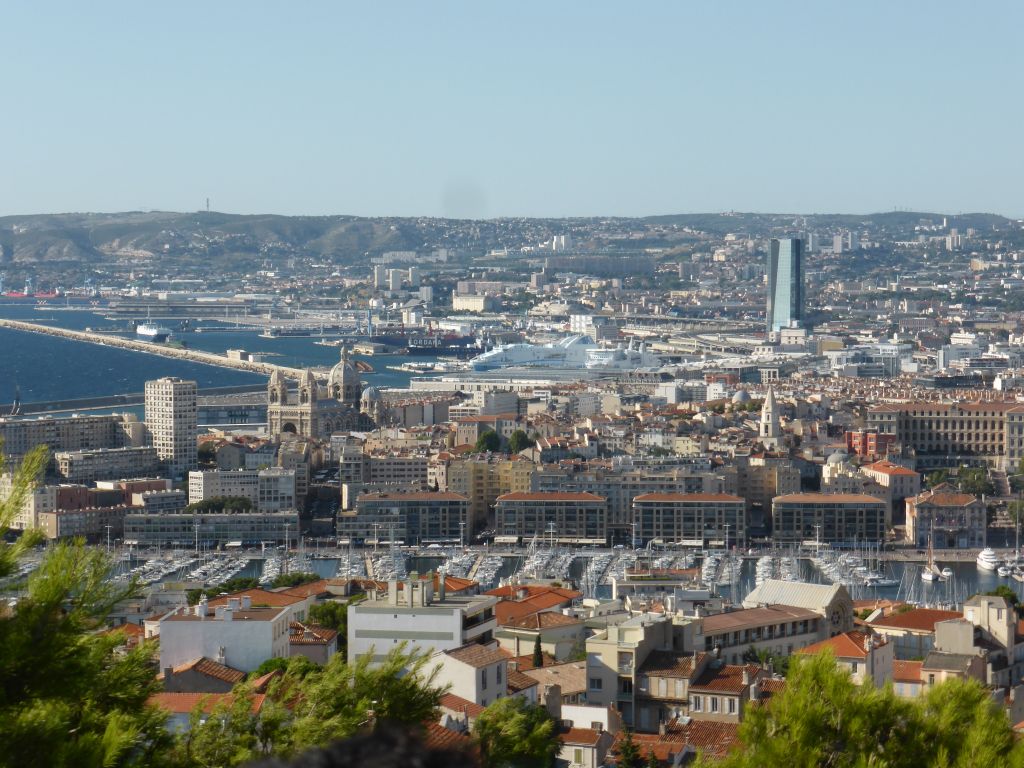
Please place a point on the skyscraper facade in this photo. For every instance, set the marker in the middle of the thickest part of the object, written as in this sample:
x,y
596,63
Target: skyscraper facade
x,y
785,283
171,420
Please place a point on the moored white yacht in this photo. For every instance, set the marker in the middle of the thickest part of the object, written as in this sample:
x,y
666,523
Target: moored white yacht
x,y
987,559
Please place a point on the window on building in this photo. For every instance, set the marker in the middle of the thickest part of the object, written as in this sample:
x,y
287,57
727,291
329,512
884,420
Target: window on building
x,y
731,706
931,679
483,679
577,756
596,684
714,703
695,704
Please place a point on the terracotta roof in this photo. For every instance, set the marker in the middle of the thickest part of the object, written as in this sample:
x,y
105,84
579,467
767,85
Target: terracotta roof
x,y
828,498
727,678
917,619
260,597
586,737
906,671
712,738
209,668
186,703
512,590
684,497
457,704
439,737
941,497
476,655
549,496
310,634
312,589
888,468
519,681
571,676
543,620
752,617
260,684
668,664
847,645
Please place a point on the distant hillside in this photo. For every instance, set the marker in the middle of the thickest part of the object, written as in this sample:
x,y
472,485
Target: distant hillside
x,y
221,237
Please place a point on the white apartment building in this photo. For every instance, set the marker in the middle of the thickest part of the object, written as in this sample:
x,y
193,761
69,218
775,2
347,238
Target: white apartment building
x,y
171,420
238,634
413,612
270,490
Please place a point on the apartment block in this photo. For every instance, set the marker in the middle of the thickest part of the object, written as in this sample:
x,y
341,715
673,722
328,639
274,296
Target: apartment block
x,y
172,423
567,517
691,517
88,466
830,518
414,517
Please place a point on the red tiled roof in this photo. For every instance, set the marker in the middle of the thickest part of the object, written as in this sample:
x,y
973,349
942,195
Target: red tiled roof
x,y
476,655
457,704
209,668
847,645
917,619
413,496
310,634
888,468
542,620
727,678
581,736
185,703
518,681
439,737
260,597
906,671
668,664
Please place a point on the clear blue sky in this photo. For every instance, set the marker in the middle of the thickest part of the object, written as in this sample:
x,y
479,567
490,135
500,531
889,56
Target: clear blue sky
x,y
515,108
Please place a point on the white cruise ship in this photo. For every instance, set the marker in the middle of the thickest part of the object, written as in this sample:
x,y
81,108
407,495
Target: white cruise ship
x,y
987,559
570,352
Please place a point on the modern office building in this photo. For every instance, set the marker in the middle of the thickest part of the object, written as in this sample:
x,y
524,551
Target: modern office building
x,y
830,518
785,283
88,466
187,530
171,420
413,518
567,517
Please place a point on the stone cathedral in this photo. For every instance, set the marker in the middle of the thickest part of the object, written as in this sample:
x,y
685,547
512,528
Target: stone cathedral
x,y
315,411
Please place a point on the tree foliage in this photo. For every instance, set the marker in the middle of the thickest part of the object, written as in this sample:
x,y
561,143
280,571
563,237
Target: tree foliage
x,y
220,503
512,733
294,579
538,653
68,696
519,441
488,442
628,752
823,719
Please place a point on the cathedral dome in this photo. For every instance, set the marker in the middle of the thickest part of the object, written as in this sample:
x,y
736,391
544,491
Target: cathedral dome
x,y
344,382
741,396
371,395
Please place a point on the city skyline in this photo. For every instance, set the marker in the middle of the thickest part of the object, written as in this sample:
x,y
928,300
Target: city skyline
x,y
479,112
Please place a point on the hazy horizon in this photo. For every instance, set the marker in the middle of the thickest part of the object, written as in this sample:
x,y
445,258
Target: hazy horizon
x,y
483,111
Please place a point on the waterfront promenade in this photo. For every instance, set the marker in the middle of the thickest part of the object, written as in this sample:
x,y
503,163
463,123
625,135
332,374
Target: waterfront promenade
x,y
135,345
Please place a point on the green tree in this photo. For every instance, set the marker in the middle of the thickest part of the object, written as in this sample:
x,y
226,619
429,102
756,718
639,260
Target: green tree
x,y
68,695
652,760
488,442
538,654
512,733
341,699
294,579
237,584
937,478
823,719
628,752
519,441
975,481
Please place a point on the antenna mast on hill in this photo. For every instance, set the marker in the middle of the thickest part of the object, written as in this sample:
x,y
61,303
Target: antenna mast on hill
x,y
207,205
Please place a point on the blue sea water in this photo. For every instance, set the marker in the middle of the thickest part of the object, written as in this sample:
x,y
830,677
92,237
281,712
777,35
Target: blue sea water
x,y
49,368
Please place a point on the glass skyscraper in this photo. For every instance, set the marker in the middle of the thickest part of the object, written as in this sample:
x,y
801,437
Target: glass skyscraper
x,y
785,283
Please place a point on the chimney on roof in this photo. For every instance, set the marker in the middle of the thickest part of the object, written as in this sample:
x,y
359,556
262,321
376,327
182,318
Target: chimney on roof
x,y
662,729
220,655
441,576
746,675
392,592
246,602
168,674
234,603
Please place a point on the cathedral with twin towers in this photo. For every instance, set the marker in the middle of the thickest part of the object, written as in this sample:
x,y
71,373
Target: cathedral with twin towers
x,y
316,411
